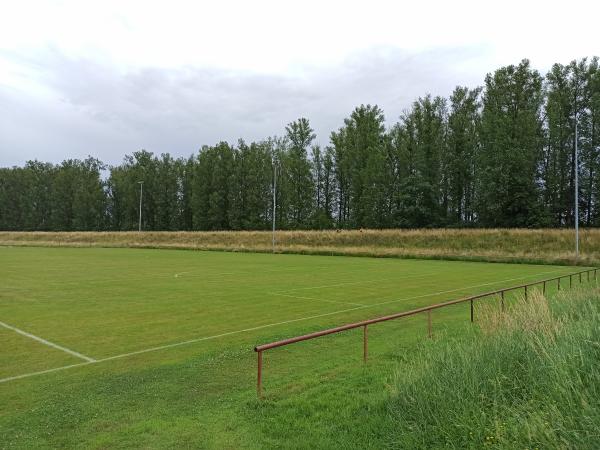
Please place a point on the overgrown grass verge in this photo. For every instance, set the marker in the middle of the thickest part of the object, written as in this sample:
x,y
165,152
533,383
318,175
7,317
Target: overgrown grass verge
x,y
529,379
548,246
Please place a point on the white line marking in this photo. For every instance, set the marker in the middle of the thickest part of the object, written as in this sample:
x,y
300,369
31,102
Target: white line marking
x,y
56,369
48,343
317,299
260,327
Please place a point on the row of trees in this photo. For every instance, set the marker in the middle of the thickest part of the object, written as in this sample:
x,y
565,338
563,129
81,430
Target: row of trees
x,y
501,155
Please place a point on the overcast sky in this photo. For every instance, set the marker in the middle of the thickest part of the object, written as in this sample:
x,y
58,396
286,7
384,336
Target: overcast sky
x,y
108,78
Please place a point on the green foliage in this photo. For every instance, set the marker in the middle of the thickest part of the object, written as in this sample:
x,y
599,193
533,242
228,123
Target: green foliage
x,y
498,156
250,190
511,143
360,158
531,383
295,176
463,147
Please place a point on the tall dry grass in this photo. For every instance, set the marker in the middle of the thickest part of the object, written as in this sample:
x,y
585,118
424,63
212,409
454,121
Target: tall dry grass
x,y
532,315
515,245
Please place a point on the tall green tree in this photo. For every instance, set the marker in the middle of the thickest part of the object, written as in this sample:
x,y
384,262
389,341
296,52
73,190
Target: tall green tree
x,y
418,144
590,143
361,155
323,177
511,148
296,179
251,184
210,192
89,200
37,195
124,192
464,122
12,203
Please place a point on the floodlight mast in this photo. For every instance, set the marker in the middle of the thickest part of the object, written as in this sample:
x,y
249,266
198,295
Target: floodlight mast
x,y
141,183
274,201
576,189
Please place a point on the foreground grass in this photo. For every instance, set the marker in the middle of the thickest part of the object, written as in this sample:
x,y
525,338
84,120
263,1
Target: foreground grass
x,y
531,380
516,384
496,245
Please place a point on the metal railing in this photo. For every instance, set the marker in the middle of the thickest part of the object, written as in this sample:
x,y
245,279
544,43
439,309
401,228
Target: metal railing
x,y
259,349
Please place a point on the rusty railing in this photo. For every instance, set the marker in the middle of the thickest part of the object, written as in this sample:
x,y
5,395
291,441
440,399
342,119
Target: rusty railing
x,y
259,349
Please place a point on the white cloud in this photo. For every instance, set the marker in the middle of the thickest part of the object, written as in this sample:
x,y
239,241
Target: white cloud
x,y
171,76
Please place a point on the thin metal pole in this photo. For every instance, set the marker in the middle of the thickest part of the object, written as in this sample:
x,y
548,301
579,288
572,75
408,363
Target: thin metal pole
x,y
570,281
274,202
544,288
559,283
429,323
525,292
259,376
579,277
141,195
576,189
472,311
365,340
502,300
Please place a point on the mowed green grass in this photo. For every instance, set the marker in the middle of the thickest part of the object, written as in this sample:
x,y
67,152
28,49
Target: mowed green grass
x,y
171,335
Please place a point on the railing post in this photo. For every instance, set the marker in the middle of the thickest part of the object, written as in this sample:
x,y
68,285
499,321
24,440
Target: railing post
x,y
544,288
579,277
365,342
525,292
259,376
429,323
472,311
559,283
502,300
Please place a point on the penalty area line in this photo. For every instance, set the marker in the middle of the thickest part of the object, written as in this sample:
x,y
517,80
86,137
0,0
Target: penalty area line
x,y
48,343
259,327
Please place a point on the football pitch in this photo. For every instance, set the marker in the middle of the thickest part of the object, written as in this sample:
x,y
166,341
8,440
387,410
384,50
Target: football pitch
x,y
63,308
122,348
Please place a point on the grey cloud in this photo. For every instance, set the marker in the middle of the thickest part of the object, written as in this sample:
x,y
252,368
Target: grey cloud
x,y
99,110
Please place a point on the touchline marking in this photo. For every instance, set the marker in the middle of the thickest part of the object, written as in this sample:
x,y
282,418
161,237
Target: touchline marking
x,y
48,343
460,289
42,372
260,327
317,299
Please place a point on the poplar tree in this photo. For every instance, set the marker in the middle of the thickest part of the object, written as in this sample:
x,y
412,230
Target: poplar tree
x,y
511,148
297,182
462,153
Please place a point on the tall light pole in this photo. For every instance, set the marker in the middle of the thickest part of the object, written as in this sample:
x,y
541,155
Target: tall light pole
x,y
274,201
141,183
576,190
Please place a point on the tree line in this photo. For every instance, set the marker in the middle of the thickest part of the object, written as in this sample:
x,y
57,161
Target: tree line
x,y
500,155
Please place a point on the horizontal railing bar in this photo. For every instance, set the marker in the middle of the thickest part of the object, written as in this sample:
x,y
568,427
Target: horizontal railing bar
x,y
350,326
